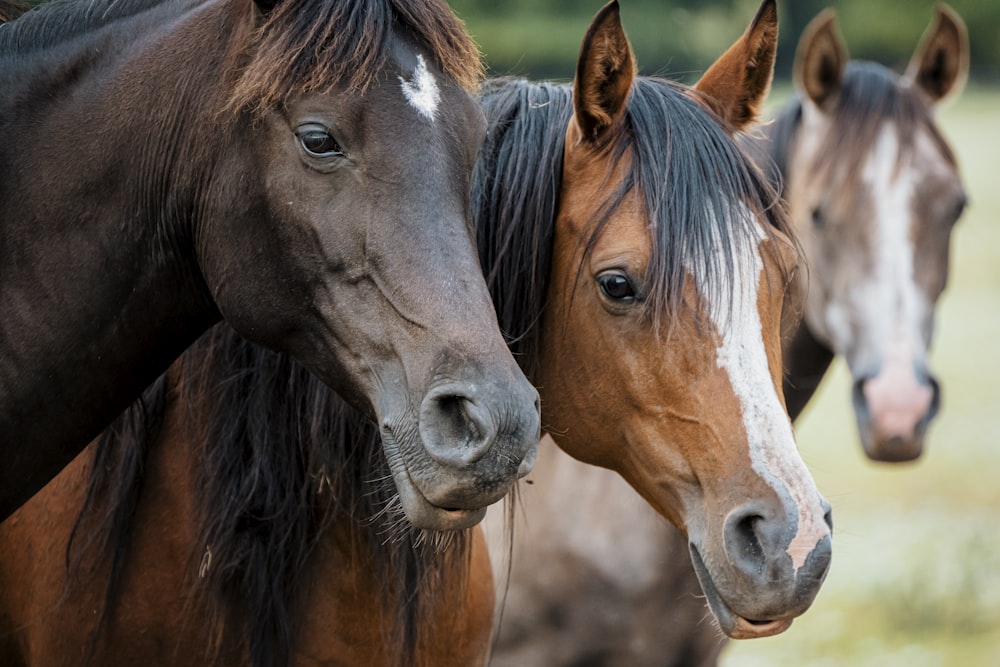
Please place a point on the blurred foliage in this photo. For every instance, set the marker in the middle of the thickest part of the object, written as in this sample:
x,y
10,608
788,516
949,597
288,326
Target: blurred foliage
x,y
541,38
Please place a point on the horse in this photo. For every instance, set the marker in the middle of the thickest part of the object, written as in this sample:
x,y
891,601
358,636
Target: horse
x,y
300,168
579,597
620,209
864,165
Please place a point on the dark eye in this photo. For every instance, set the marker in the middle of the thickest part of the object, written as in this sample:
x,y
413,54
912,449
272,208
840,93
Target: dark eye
x,y
616,286
817,217
960,208
319,143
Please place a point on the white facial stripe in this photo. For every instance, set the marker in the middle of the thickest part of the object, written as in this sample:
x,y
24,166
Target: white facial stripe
x,y
890,303
773,453
422,92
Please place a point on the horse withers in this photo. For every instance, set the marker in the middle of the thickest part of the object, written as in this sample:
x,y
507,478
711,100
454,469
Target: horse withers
x,y
300,168
873,190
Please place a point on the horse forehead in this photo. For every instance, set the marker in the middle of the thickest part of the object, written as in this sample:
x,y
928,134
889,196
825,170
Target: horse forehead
x,y
423,86
901,172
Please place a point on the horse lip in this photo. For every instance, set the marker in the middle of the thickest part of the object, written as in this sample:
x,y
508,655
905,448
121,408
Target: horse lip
x,y
419,511
422,513
732,624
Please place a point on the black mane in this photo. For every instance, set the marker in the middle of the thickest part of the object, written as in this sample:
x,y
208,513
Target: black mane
x,y
280,458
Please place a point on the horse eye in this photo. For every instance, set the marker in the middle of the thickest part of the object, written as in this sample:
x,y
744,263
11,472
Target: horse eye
x,y
616,287
960,208
319,143
817,217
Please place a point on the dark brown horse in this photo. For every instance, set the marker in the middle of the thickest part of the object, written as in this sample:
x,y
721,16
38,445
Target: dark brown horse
x,y
619,215
300,168
623,592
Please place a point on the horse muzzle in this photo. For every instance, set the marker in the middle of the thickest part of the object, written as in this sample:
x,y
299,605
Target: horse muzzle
x,y
893,410
464,451
755,580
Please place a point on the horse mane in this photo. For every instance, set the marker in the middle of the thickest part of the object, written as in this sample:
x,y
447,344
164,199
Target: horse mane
x,y
515,199
353,38
279,58
692,175
58,21
281,459
871,94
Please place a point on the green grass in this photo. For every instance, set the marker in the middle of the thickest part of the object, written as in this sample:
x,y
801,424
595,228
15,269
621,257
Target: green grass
x,y
915,580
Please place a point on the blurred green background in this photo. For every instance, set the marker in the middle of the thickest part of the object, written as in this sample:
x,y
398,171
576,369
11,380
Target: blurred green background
x,y
540,38
915,580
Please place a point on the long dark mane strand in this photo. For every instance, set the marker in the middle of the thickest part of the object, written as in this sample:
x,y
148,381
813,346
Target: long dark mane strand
x,y
515,199
700,190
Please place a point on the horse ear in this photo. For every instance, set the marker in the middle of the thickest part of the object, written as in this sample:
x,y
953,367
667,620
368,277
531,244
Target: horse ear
x,y
604,74
940,64
738,82
820,59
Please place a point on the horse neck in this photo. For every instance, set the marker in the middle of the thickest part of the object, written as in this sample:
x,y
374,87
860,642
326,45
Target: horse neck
x,y
100,289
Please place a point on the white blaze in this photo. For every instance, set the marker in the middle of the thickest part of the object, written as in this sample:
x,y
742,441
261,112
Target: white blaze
x,y
773,453
422,91
895,306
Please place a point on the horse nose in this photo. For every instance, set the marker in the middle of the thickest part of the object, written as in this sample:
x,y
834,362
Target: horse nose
x,y
457,430
762,541
893,410
461,425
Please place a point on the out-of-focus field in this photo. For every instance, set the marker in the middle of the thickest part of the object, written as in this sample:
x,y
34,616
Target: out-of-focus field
x,y
915,580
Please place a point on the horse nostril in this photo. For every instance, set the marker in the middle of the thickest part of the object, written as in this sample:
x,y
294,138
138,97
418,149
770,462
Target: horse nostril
x,y
743,541
456,423
456,431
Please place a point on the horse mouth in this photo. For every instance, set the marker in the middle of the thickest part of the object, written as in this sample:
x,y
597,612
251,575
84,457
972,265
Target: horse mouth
x,y
732,624
421,512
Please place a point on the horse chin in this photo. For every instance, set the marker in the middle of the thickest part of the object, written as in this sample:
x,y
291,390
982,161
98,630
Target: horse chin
x,y
732,624
892,450
888,445
424,515
419,510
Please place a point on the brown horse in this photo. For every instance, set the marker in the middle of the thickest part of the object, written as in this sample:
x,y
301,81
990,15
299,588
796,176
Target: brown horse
x,y
618,215
623,592
300,168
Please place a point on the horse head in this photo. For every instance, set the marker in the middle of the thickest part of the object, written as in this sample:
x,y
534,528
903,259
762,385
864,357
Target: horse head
x,y
364,267
670,267
874,192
